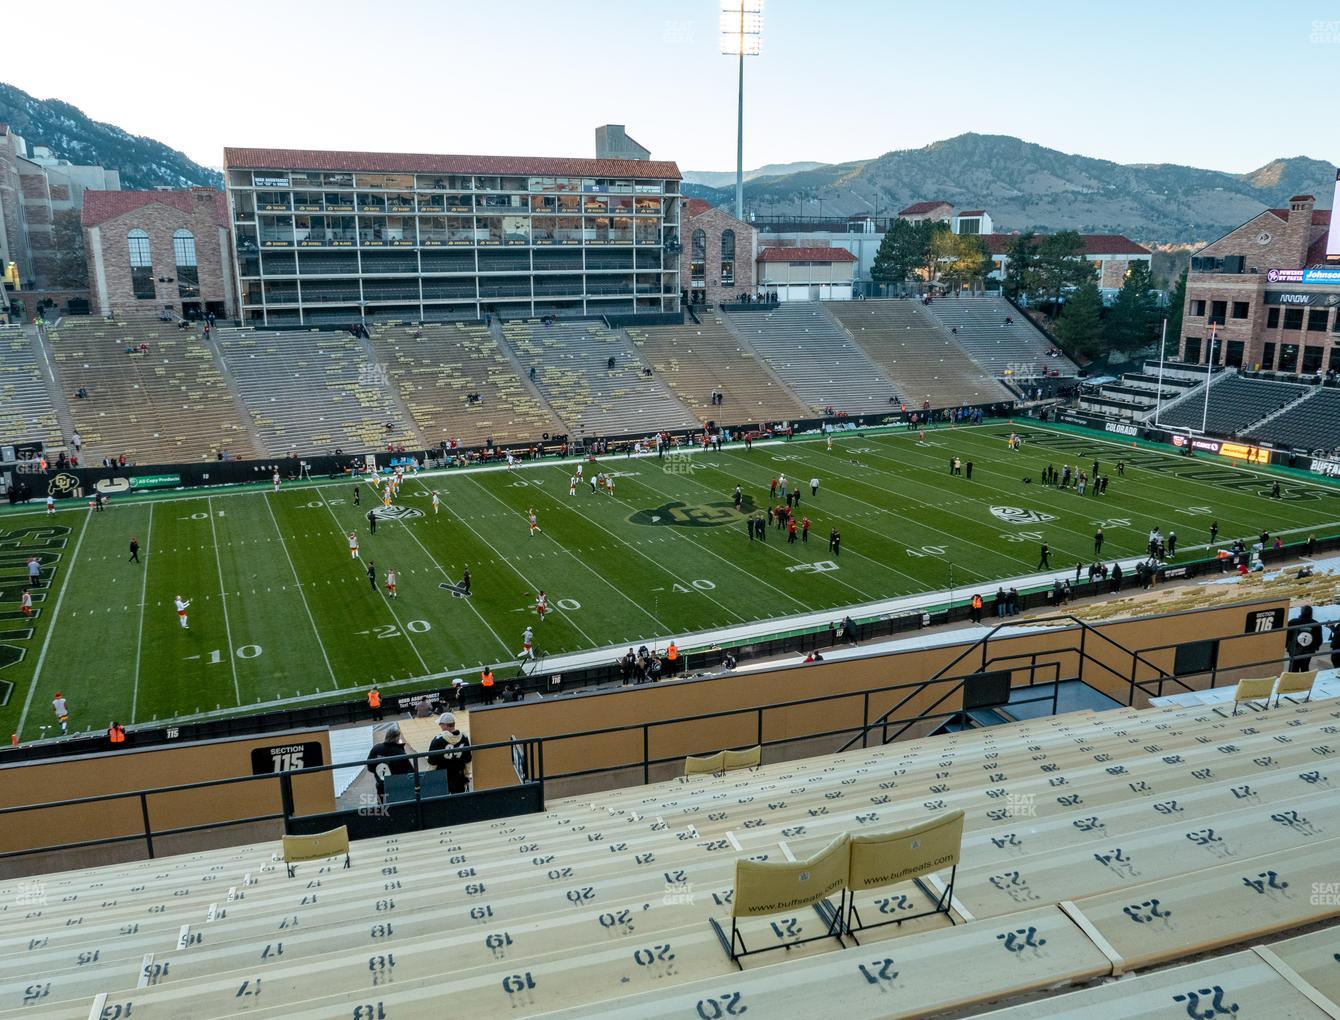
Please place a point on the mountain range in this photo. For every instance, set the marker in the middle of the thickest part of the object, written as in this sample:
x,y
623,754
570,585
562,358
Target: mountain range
x,y
144,163
1024,186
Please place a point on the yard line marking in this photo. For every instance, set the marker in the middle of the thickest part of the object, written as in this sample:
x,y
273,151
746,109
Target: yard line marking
x,y
139,634
523,577
223,600
55,615
298,584
386,601
599,576
410,531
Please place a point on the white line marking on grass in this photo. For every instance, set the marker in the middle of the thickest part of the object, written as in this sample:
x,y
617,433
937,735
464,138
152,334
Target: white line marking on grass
x,y
443,570
298,584
503,559
386,601
139,634
51,628
223,600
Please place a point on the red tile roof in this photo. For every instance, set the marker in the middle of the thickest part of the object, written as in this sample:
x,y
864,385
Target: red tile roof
x,y
918,208
101,206
1302,198
416,162
973,212
1094,244
696,206
806,255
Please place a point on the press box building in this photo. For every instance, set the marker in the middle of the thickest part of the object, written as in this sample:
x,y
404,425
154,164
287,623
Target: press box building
x,y
335,237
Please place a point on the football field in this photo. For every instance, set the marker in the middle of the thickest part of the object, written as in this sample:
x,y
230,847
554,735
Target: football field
x,y
281,613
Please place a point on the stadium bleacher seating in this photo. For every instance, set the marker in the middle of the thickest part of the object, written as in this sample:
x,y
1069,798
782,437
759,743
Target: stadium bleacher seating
x,y
571,362
1095,844
1235,403
171,405
697,358
1003,349
817,358
437,370
1312,424
311,391
26,411
922,358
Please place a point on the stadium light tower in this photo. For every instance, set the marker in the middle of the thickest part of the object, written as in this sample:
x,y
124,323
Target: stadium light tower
x,y
741,36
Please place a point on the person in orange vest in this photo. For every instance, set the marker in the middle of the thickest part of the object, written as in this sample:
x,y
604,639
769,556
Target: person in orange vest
x,y
977,608
486,682
116,734
672,657
375,703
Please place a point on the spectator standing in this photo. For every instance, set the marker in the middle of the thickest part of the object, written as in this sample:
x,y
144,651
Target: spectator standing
x,y
449,752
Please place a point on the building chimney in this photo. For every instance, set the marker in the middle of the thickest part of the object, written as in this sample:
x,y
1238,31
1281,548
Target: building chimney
x,y
1298,231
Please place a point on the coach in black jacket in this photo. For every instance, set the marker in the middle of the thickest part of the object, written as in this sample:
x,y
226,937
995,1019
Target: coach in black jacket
x,y
450,752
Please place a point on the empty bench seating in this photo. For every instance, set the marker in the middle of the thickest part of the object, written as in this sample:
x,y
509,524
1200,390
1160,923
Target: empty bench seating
x,y
817,358
920,355
437,370
170,404
26,411
313,392
1312,424
1005,349
699,357
572,370
1234,402
605,904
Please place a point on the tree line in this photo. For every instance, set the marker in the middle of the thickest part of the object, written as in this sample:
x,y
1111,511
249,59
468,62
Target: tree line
x,y
1049,270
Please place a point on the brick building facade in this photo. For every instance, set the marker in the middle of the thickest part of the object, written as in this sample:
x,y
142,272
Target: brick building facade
x,y
719,253
1266,289
150,251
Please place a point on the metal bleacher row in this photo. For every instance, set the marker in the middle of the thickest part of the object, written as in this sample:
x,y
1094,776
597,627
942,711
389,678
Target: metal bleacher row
x,y
169,405
437,370
1234,402
697,358
310,392
26,411
925,362
817,358
1002,348
1310,424
1096,844
571,362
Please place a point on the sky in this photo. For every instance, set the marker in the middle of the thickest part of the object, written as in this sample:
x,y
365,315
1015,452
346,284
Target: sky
x,y
1137,81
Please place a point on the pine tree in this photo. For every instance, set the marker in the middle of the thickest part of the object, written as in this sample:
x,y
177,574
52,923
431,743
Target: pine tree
x,y
1132,317
1080,326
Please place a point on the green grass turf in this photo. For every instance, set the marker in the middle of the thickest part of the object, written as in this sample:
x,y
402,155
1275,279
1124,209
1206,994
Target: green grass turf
x,y
279,610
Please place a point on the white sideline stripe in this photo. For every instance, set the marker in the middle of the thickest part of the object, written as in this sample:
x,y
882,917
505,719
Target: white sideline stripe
x,y
786,851
954,903
223,600
1292,976
144,595
301,594
1095,936
143,982
51,627
734,842
99,1003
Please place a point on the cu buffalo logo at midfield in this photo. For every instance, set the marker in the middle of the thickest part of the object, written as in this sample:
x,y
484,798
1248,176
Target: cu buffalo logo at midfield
x,y
63,485
1018,515
396,513
701,515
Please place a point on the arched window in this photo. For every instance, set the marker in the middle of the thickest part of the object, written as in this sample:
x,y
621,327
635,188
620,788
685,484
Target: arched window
x,y
727,258
698,260
188,273
141,264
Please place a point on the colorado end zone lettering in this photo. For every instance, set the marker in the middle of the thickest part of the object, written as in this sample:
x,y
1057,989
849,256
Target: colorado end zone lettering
x,y
1195,470
16,547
